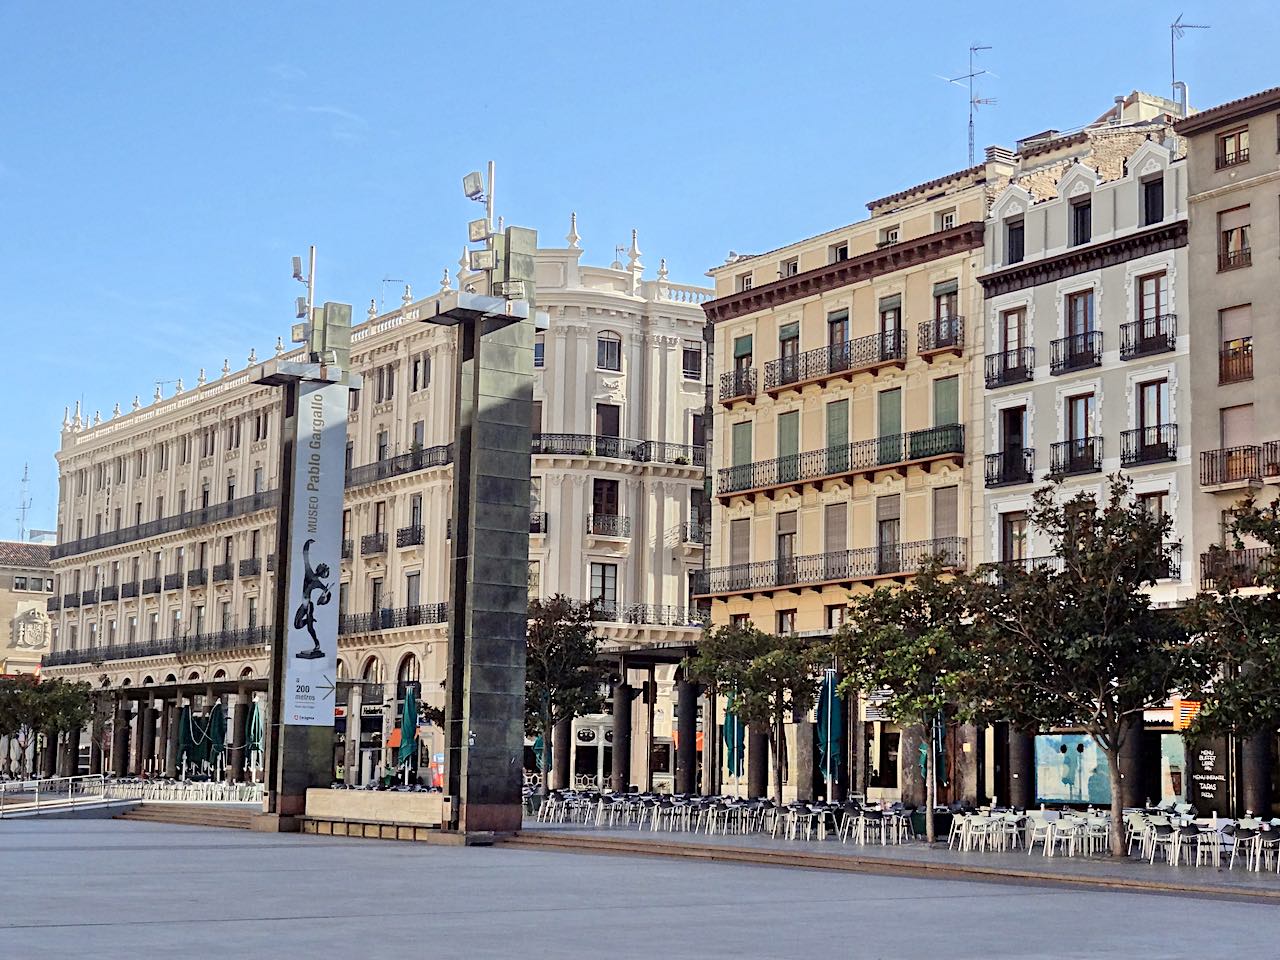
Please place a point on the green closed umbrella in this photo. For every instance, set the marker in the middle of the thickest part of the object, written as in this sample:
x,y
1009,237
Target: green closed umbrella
x,y
217,733
735,740
408,726
537,752
186,743
830,728
253,728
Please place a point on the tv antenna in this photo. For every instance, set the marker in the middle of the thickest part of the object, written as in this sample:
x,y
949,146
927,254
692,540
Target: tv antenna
x,y
382,291
1176,30
975,101
24,503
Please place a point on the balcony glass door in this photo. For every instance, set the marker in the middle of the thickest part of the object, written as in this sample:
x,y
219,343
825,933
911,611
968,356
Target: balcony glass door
x,y
838,341
888,524
890,327
789,446
890,426
835,540
789,352
837,436
608,429
785,550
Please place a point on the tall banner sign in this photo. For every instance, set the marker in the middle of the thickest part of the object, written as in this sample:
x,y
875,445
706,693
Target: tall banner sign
x,y
315,554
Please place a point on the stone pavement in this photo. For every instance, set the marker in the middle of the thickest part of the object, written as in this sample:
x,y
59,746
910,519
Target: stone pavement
x,y
102,889
918,859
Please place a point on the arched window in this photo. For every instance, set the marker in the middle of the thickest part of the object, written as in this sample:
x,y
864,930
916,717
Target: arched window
x,y
219,674
341,669
147,680
372,672
608,350
126,682
194,675
246,673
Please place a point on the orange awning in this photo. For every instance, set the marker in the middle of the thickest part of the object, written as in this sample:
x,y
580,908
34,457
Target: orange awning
x,y
394,739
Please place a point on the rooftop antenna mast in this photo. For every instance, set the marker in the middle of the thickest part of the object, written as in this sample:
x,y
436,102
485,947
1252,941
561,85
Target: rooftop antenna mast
x,y
24,503
975,101
1176,30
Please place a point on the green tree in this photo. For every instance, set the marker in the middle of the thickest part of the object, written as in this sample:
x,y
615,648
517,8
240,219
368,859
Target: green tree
x,y
1076,642
909,641
767,676
563,677
54,706
1237,634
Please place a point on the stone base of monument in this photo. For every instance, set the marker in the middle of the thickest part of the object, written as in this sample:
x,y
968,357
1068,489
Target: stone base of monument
x,y
384,815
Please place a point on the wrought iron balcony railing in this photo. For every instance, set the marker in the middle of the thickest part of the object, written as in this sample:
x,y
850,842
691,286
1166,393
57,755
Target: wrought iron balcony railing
x,y
1231,465
88,597
1010,466
737,384
537,521
70,600
391,618
150,585
1071,457
1231,157
848,356
1235,361
1143,338
173,581
1155,444
693,532
223,571
862,455
53,604
940,333
410,536
197,578
234,639
837,567
608,525
680,454
1011,366
129,590
109,593
1235,569
396,466
250,566
607,611
1076,352
372,543
1233,259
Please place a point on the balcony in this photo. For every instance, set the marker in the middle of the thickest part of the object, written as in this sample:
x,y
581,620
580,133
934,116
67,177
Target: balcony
x,y
1157,444
150,585
1231,466
738,385
1234,569
1070,458
537,521
585,445
129,590
679,454
940,335
109,594
1234,259
372,543
396,466
1008,467
646,614
1271,460
348,548
861,355
861,457
70,600
391,618
237,639
223,572
251,566
53,604
173,581
197,578
693,532
88,597
1011,366
1231,158
1235,361
1079,351
182,521
1144,338
839,567
410,536
608,525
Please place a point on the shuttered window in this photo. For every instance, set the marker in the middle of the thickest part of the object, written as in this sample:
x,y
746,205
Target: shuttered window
x,y
789,433
946,401
740,541
837,423
946,502
741,443
742,347
890,412
835,535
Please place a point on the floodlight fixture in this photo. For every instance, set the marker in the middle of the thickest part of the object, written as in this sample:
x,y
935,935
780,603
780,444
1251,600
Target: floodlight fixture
x,y
478,230
301,304
482,260
473,186
298,333
297,269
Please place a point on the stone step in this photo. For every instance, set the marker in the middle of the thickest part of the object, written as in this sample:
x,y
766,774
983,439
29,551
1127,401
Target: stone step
x,y
191,815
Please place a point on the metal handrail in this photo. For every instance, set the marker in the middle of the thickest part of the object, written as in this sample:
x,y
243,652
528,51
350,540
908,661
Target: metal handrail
x,y
940,333
1141,338
1149,444
738,383
1075,352
848,356
1010,366
1231,465
1080,455
396,466
59,792
1010,466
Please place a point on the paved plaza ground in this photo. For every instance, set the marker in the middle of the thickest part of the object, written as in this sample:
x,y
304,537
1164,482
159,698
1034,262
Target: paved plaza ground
x,y
110,889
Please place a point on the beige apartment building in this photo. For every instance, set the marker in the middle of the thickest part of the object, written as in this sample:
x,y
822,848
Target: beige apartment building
x,y
1233,158
26,580
167,518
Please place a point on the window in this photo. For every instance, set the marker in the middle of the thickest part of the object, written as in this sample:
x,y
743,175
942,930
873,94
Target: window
x,y
1153,405
692,360
1232,147
697,430
786,536
946,220
1012,330
835,614
1154,503
1080,409
375,594
535,579
737,619
889,235
19,583
742,347
1013,536
1152,200
251,612
604,583
153,625
1081,221
837,327
419,372
946,299
415,510
608,423
742,282
838,251
111,633
1235,350
349,457
789,347
259,479
789,267
1014,240
175,623
1079,317
1153,296
197,620
1233,238
224,616
786,621
380,516
540,350
353,399
412,589
384,444
604,498
419,434
609,351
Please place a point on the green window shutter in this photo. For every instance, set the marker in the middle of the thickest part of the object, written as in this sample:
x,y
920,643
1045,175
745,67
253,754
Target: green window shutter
x,y
789,331
742,347
789,434
945,287
890,422
741,443
837,423
946,401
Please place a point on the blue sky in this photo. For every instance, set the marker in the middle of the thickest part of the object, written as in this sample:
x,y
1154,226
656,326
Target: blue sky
x,y
160,163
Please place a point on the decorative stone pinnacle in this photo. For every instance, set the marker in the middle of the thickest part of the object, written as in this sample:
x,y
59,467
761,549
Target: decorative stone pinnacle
x,y
137,402
373,308
115,411
226,367
279,345
253,356
662,269
633,263
178,387
66,418
572,237
97,417
202,379
408,295
157,396
445,282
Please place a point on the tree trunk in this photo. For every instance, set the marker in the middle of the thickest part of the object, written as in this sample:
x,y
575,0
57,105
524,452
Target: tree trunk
x,y
930,775
1117,802
546,755
775,736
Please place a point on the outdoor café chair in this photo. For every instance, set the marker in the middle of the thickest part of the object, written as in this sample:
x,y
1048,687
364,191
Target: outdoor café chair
x,y
1161,836
1040,830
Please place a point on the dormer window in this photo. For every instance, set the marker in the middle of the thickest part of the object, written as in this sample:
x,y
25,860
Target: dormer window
x,y
1081,221
789,268
1152,200
837,252
889,235
1014,240
742,282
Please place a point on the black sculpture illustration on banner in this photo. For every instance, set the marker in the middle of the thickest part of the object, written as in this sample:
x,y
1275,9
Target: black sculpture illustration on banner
x,y
312,580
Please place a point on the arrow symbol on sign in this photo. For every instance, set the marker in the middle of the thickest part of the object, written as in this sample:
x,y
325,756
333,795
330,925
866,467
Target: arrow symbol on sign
x,y
326,686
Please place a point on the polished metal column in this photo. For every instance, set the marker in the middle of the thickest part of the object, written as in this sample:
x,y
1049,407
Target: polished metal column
x,y
620,779
686,736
